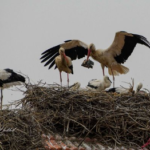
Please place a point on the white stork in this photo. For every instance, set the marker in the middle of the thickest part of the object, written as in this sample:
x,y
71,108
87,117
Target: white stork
x,y
99,85
9,78
64,63
112,57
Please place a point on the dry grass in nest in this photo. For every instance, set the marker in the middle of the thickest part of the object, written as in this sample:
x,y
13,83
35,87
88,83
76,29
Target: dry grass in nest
x,y
114,119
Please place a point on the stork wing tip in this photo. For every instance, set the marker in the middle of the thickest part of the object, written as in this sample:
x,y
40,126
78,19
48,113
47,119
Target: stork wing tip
x,y
67,41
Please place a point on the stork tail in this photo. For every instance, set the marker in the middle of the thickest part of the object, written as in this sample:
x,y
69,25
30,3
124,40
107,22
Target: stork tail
x,y
118,69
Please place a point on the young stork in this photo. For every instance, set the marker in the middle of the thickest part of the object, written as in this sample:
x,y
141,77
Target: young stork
x,y
112,57
139,91
63,63
75,86
99,85
123,90
138,88
9,78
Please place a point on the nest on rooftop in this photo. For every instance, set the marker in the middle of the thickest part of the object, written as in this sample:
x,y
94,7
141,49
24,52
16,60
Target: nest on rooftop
x,y
111,118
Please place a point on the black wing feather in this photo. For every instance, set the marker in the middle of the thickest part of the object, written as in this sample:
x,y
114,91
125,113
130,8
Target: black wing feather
x,y
72,53
71,68
68,41
92,86
52,64
82,52
50,60
130,43
49,56
76,52
142,40
53,49
14,77
111,90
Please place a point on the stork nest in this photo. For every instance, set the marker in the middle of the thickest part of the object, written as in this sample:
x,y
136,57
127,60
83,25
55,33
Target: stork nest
x,y
111,118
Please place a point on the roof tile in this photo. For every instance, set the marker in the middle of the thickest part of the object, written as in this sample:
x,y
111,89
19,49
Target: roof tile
x,y
57,142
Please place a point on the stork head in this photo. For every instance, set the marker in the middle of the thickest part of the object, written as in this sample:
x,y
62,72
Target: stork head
x,y
62,53
91,48
75,86
106,79
139,86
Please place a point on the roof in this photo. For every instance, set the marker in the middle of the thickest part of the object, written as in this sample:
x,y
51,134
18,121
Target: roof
x,y
57,142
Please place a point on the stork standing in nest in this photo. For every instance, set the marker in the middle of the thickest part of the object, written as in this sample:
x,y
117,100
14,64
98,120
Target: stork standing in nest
x,y
63,63
9,78
121,48
112,57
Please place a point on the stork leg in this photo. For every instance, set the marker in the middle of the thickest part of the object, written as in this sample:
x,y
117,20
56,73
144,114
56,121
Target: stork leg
x,y
1,98
103,69
113,78
103,72
60,79
68,79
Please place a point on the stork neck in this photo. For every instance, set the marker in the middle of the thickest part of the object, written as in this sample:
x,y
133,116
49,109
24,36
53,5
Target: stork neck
x,y
65,59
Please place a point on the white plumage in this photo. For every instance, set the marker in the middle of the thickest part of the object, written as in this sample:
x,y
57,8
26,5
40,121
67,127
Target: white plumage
x,y
7,85
138,88
75,86
4,75
123,90
139,91
120,90
9,78
99,85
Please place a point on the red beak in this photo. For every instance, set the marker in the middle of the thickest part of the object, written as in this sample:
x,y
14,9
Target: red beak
x,y
89,52
66,58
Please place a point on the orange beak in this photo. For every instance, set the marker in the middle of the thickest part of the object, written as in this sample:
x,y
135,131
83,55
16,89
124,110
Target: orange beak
x,y
89,52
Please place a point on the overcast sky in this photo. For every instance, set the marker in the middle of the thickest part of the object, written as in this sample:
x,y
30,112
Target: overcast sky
x,y
29,27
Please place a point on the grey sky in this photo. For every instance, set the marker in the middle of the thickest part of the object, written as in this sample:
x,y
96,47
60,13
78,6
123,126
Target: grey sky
x,y
29,27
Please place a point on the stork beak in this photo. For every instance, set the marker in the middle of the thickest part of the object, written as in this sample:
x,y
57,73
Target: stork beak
x,y
65,58
110,80
89,52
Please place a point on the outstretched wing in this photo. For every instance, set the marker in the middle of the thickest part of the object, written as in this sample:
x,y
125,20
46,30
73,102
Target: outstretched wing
x,y
73,48
124,44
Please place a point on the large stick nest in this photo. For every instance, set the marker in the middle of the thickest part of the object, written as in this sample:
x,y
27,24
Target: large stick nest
x,y
113,119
